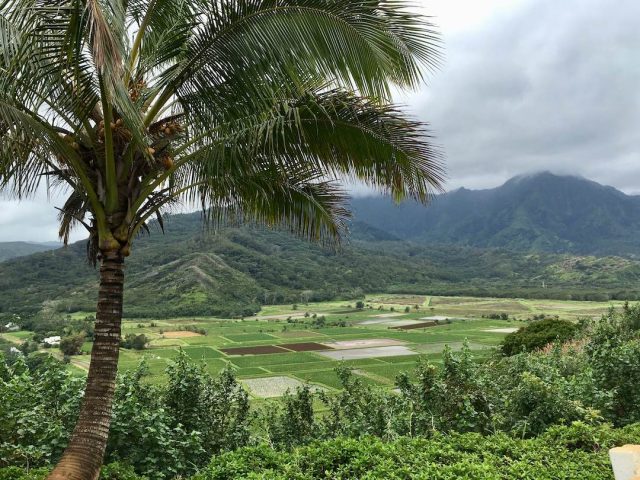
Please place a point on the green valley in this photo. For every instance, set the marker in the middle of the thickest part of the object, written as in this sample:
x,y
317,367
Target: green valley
x,y
374,331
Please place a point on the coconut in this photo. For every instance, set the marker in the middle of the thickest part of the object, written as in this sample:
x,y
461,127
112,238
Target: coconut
x,y
167,162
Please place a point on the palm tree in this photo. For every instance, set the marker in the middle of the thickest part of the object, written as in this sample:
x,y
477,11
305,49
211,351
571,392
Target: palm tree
x,y
257,110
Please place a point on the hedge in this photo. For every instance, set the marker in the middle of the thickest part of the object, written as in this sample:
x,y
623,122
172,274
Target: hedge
x,y
576,452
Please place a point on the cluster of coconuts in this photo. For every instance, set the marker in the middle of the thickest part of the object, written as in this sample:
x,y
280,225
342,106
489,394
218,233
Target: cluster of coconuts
x,y
164,159
167,129
70,139
118,128
135,88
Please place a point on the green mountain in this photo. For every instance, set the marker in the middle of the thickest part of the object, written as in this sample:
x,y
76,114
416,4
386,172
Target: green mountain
x,y
541,213
19,249
188,271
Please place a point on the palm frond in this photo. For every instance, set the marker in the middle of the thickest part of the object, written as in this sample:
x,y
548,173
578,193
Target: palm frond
x,y
334,133
297,200
71,214
364,46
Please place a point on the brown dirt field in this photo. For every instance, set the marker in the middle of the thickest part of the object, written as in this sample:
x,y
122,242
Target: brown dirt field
x,y
180,334
414,326
258,350
305,346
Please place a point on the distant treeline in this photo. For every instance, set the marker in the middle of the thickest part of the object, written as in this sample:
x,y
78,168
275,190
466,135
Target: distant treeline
x,y
233,272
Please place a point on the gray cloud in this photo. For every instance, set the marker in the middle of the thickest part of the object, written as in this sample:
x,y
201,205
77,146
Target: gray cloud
x,y
539,85
32,220
549,86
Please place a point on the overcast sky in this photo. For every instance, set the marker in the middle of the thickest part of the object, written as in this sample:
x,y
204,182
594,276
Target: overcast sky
x,y
526,86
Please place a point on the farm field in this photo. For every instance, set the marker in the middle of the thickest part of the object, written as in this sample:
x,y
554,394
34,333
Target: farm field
x,y
287,345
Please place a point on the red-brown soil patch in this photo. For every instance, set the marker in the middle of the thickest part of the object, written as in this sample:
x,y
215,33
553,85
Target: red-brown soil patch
x,y
257,350
305,346
414,326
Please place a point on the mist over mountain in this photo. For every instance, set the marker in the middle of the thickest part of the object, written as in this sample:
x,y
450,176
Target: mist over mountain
x,y
18,249
542,213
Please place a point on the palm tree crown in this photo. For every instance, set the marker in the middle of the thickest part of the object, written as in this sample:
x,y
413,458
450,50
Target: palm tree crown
x,y
256,109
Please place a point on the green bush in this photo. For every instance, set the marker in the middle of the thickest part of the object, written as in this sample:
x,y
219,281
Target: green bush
x,y
113,471
16,473
119,471
38,409
537,335
559,454
72,344
135,342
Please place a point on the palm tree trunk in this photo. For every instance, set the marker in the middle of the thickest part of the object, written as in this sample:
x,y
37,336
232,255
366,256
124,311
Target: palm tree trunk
x,y
83,457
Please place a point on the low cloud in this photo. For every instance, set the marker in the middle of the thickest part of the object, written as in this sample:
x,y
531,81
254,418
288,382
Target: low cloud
x,y
549,86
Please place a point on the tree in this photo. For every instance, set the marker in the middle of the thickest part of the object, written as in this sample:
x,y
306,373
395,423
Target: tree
x,y
72,344
537,335
252,109
133,341
360,305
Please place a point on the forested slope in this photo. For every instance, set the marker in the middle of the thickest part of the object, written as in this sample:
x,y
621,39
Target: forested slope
x,y
189,271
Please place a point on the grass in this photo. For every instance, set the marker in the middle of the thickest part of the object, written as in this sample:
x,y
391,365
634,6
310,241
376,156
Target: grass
x,y
389,371
327,378
249,337
300,367
271,327
202,352
275,359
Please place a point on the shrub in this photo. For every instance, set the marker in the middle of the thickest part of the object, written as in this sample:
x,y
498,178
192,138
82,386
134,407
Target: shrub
x,y
451,398
291,422
135,342
537,335
72,344
445,457
119,471
113,471
16,473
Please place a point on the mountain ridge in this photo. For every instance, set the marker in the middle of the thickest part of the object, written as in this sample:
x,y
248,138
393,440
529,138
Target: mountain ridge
x,y
20,248
542,212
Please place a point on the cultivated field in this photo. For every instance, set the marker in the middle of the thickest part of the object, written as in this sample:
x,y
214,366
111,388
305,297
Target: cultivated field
x,y
285,346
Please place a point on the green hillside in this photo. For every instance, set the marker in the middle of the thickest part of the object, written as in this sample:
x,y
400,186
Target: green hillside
x,y
188,271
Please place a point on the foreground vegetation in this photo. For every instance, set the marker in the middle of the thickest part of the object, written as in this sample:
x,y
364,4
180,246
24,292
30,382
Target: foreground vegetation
x,y
575,452
507,417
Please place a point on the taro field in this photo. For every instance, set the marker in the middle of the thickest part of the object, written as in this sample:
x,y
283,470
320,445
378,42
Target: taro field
x,y
286,346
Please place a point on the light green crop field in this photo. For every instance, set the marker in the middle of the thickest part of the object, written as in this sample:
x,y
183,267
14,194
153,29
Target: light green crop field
x,y
459,319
